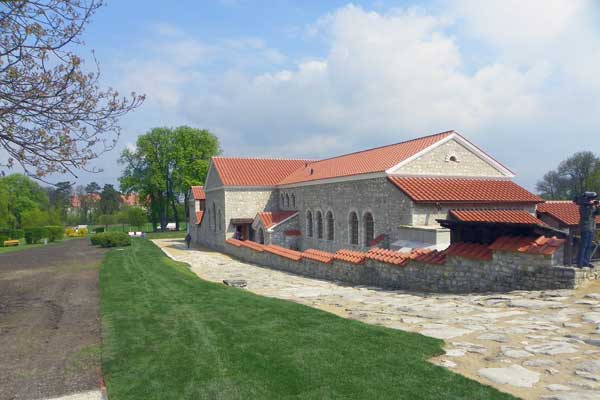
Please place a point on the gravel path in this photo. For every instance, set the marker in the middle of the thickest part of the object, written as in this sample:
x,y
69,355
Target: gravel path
x,y
49,321
535,345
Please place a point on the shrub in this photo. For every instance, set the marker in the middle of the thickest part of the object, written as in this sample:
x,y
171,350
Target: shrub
x,y
34,235
83,232
99,229
16,234
111,239
71,232
55,232
4,235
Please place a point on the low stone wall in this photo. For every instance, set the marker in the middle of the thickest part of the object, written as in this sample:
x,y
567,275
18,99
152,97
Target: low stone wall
x,y
505,272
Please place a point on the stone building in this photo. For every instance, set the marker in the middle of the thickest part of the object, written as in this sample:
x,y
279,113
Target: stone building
x,y
390,196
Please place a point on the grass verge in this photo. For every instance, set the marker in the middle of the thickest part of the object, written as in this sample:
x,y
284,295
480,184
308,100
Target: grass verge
x,y
170,335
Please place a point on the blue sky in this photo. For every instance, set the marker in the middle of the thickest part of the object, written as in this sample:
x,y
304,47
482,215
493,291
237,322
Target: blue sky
x,y
319,78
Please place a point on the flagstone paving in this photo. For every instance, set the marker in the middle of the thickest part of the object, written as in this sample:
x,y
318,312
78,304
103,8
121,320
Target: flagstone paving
x,y
535,345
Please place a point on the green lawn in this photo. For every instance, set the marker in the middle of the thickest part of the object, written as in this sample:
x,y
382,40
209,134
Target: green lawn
x,y
166,235
128,228
169,335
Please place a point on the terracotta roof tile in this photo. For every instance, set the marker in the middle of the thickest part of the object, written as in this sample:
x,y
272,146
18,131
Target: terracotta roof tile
x,y
388,256
566,212
455,190
363,162
234,242
199,215
235,171
474,251
318,255
292,232
350,256
428,256
519,217
252,245
283,252
271,219
526,244
198,193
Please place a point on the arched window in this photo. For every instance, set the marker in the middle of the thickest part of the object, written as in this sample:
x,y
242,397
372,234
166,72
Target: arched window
x,y
309,225
293,200
220,223
287,200
214,214
353,228
369,228
319,225
329,218
282,200
261,236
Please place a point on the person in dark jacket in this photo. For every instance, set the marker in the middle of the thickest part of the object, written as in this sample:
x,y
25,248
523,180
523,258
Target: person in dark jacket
x,y
188,240
588,210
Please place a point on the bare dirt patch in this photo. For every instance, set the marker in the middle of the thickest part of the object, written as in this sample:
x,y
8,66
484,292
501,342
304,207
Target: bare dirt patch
x,y
49,320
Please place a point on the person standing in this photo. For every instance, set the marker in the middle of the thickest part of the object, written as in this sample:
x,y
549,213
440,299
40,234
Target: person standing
x,y
588,210
188,240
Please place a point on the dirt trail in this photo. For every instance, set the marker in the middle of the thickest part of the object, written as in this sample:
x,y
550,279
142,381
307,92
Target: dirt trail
x,y
49,320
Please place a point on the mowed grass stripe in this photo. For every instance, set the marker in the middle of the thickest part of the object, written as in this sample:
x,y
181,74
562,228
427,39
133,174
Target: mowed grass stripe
x,y
170,335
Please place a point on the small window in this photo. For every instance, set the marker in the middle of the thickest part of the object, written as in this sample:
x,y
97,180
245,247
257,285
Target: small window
x,y
319,225
282,200
309,224
261,236
293,200
214,214
353,228
329,219
287,200
220,223
369,228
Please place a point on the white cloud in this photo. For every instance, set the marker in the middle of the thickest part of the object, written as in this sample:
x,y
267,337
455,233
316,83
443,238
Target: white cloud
x,y
392,75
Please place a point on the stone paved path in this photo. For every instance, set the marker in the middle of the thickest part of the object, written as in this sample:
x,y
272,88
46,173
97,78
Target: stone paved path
x,y
535,345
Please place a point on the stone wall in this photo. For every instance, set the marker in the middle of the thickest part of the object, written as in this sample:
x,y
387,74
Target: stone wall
x,y
505,272
388,205
438,162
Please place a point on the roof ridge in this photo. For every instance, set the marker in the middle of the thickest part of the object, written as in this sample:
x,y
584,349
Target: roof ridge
x,y
265,158
390,145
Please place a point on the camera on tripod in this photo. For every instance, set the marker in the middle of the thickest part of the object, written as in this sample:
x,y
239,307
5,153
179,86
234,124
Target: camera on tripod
x,y
586,198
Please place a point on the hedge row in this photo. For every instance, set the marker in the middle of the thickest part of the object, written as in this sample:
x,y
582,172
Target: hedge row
x,y
10,234
111,239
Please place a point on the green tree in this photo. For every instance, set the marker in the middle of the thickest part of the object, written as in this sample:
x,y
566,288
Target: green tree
x,y
106,220
110,200
23,194
34,218
60,197
136,217
576,174
163,166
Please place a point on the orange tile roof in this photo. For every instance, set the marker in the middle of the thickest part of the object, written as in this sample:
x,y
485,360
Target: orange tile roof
x,y
234,242
235,171
474,251
199,215
198,193
457,190
566,212
270,219
388,256
363,162
131,199
350,256
252,245
530,245
283,252
518,217
428,256
318,255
